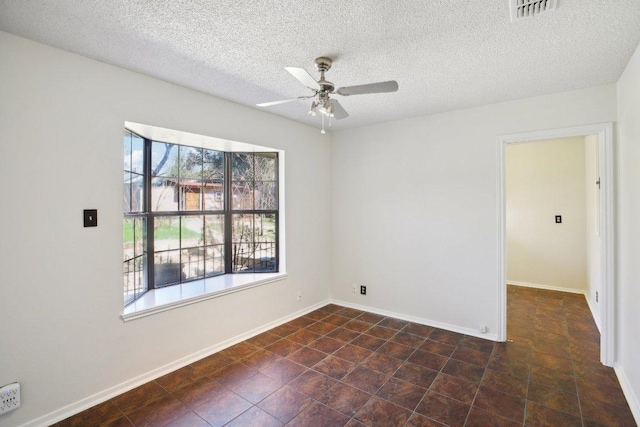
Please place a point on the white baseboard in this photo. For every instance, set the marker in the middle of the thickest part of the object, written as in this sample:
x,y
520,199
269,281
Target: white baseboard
x,y
633,401
547,287
594,313
427,322
88,402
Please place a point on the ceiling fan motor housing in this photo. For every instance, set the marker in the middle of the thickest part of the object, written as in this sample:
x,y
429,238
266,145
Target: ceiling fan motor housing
x,y
324,64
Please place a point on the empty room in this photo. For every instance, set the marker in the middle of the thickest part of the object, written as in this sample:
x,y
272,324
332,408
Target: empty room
x,y
360,213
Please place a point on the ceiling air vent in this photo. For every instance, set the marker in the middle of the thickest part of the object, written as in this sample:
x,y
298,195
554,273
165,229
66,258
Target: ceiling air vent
x,y
521,9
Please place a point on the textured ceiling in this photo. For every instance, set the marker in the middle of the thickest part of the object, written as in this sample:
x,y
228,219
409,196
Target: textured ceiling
x,y
445,54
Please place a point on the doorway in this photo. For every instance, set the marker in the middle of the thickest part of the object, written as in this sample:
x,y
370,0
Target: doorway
x,y
605,212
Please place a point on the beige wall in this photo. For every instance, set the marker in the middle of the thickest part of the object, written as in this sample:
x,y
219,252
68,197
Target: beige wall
x,y
545,179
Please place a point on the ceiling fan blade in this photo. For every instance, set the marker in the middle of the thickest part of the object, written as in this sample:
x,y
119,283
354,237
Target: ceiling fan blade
x,y
338,111
390,86
304,77
284,101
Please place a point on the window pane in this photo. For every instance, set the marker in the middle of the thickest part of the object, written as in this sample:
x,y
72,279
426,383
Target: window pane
x,y
213,196
265,228
137,154
214,260
213,166
266,196
193,263
168,269
192,231
242,166
242,228
126,150
243,247
140,237
242,196
164,194
137,193
265,257
242,257
166,233
190,162
126,192
128,250
213,176
191,192
214,229
134,278
128,281
140,265
164,159
266,167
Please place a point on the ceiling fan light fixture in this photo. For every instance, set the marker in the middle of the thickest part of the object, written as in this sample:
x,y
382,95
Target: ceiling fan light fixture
x,y
313,108
327,107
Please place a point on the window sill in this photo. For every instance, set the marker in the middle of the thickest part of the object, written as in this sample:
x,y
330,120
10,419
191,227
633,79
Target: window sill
x,y
163,299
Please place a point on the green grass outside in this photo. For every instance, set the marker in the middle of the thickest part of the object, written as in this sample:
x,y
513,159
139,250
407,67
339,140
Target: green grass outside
x,y
163,231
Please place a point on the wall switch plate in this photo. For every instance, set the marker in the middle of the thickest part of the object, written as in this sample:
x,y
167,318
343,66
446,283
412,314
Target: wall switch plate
x,y
299,296
558,219
90,217
9,397
363,290
596,296
355,289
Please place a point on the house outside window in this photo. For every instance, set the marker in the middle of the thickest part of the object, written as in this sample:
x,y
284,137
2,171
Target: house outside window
x,y
192,213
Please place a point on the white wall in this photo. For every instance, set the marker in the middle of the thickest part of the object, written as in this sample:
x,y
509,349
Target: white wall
x,y
544,179
415,205
61,121
628,232
592,201
413,216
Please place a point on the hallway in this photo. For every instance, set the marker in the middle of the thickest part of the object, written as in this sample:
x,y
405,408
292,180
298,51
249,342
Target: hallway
x,y
556,340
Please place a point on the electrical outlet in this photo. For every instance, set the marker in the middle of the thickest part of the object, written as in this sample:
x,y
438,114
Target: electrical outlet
x,y
363,290
355,289
596,296
483,328
299,295
9,397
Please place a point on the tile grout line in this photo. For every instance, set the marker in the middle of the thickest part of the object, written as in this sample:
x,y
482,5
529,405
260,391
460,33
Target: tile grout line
x,y
479,385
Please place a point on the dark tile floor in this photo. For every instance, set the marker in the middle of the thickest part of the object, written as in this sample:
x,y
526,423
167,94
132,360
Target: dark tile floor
x,y
339,366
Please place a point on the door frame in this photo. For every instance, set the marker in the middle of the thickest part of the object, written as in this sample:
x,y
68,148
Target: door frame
x,y
604,132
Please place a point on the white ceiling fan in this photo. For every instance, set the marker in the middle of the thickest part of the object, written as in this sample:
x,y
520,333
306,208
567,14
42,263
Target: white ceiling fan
x,y
323,90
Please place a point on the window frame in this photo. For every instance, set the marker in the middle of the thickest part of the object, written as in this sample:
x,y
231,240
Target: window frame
x,y
141,214
227,212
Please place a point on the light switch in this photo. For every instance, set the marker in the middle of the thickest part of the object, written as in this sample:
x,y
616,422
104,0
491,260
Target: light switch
x,y
90,217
